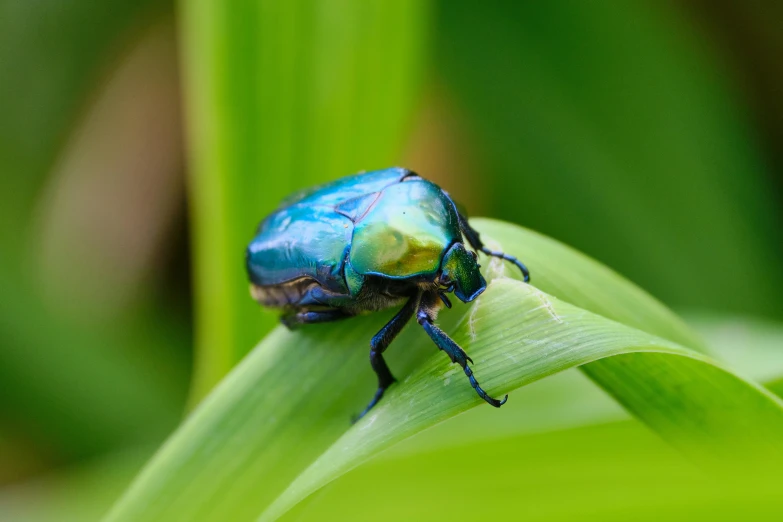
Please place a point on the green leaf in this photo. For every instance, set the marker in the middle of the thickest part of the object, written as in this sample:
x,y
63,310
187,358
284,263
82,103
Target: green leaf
x,y
276,429
750,347
565,400
280,96
615,472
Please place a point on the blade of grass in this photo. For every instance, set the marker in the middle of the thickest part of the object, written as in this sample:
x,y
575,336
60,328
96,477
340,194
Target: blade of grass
x,y
582,281
750,347
565,400
277,428
280,96
705,411
616,472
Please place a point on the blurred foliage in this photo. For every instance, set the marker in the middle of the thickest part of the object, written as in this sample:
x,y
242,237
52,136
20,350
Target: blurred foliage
x,y
645,134
748,36
283,95
613,129
78,493
77,385
51,54
749,345
614,472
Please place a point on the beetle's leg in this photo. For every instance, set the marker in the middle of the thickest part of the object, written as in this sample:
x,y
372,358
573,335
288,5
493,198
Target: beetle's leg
x,y
294,320
475,241
425,317
378,345
317,295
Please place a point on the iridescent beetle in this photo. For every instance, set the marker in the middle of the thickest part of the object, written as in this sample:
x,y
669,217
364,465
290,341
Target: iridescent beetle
x,y
369,242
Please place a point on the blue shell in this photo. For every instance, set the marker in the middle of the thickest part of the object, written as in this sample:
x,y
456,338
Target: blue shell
x,y
388,223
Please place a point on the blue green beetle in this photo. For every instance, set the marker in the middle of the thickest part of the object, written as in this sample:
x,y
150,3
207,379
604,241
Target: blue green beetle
x,y
369,242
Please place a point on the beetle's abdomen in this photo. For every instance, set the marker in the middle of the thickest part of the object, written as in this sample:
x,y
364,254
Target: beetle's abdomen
x,y
284,295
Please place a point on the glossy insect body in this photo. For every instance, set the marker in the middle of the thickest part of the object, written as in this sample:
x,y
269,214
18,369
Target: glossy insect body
x,y
368,242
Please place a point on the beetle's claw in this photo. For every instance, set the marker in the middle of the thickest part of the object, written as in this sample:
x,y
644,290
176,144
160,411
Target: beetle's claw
x,y
493,401
377,397
289,323
480,391
502,401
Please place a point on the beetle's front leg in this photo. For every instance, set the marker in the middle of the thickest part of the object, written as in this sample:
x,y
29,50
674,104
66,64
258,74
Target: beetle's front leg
x,y
425,317
297,318
378,345
474,239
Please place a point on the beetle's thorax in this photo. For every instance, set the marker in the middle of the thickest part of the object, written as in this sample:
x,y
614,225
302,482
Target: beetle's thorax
x,y
379,293
404,231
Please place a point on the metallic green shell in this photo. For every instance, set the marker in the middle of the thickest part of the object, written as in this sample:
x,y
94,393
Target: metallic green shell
x,y
376,223
307,237
301,241
405,232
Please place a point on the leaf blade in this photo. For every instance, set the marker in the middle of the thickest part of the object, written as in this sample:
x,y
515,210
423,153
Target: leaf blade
x,y
706,426
281,96
282,416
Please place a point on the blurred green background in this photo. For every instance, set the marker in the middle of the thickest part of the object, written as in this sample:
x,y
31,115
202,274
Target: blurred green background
x,y
141,142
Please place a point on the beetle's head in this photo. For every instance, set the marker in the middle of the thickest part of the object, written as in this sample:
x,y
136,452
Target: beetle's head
x,y
460,272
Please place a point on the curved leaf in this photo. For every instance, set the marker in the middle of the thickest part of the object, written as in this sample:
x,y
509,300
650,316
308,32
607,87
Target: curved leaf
x,y
601,473
277,429
568,400
582,281
522,335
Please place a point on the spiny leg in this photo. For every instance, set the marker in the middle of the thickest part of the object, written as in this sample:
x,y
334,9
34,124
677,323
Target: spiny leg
x,y
294,320
425,316
475,241
378,345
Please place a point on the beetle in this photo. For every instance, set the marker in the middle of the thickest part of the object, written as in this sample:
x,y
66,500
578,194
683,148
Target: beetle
x,y
368,242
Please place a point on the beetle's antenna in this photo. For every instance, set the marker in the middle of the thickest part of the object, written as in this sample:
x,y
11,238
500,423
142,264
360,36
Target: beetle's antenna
x,y
507,257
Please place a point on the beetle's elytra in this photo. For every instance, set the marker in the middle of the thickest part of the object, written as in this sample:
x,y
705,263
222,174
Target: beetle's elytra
x,y
368,242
